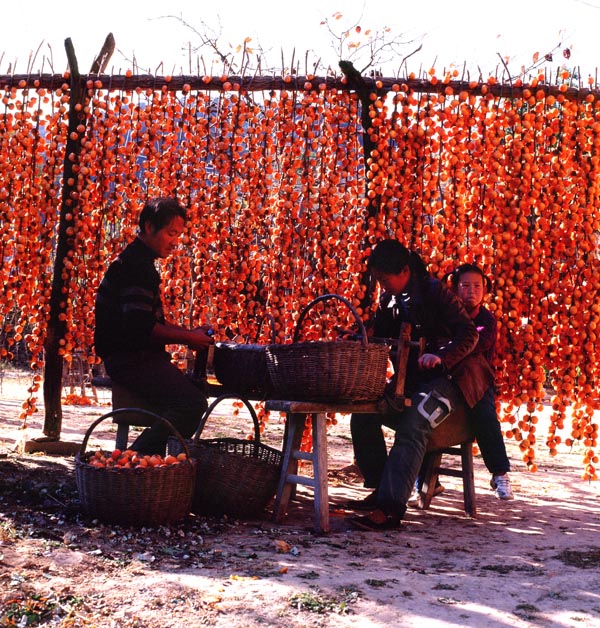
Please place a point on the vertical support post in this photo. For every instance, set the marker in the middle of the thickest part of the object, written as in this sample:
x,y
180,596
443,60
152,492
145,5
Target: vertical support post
x,y
53,363
319,460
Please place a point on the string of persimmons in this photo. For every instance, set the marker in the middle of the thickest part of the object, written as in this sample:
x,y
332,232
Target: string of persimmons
x,y
279,214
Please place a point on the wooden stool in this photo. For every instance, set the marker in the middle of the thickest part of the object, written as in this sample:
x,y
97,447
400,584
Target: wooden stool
x,y
452,437
124,398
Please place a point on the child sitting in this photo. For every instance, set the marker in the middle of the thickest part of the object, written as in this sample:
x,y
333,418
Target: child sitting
x,y
471,285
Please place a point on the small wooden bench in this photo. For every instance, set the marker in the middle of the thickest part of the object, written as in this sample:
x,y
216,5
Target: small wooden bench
x,y
123,398
453,437
297,412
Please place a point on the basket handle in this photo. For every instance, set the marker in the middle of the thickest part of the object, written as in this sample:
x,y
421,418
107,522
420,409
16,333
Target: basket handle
x,y
362,330
137,411
216,402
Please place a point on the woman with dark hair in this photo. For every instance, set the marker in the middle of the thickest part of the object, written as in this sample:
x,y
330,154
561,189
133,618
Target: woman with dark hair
x,y
447,376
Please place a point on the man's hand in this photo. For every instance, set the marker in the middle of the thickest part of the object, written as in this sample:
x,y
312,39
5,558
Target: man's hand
x,y
347,334
429,361
200,337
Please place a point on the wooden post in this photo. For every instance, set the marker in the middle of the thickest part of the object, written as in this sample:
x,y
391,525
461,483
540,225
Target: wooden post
x,y
355,81
53,365
402,352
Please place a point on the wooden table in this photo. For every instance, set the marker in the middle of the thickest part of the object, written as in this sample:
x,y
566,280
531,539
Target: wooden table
x,y
297,411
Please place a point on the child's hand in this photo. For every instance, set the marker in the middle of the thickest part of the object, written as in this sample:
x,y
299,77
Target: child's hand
x,y
346,334
429,361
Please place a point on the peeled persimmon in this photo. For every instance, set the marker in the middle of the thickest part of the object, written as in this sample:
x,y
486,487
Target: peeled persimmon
x,y
130,459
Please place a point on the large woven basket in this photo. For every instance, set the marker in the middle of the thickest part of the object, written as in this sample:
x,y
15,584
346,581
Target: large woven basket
x,y
242,368
341,370
236,477
150,496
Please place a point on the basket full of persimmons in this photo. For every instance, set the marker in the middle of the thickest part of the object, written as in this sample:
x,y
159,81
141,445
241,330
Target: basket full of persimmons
x,y
130,489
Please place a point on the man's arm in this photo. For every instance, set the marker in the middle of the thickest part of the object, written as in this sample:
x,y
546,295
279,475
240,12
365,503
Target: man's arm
x,y
487,326
168,333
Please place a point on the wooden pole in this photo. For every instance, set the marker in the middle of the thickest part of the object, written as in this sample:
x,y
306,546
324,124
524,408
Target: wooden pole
x,y
356,81
54,361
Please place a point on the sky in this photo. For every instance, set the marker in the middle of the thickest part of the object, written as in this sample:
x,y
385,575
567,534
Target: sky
x,y
451,32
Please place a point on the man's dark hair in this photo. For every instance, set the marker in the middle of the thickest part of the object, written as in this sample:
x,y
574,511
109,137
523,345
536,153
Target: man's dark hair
x,y
159,212
390,256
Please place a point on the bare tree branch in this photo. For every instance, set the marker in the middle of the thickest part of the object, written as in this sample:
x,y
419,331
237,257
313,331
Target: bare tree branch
x,y
211,42
106,52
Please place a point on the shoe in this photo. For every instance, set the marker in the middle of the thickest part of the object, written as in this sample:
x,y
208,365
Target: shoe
x,y
438,489
376,521
367,503
502,487
415,497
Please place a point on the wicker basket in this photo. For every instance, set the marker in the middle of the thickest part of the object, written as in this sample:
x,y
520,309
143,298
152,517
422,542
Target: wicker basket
x,y
234,477
341,370
150,496
242,368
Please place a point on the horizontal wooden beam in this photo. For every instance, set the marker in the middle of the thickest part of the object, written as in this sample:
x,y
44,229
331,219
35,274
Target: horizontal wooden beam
x,y
381,85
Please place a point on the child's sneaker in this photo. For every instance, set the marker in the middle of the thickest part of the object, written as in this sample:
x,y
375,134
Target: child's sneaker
x,y
415,498
502,487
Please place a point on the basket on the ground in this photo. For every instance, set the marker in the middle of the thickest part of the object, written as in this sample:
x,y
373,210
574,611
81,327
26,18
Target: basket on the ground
x,y
149,496
242,368
236,477
340,370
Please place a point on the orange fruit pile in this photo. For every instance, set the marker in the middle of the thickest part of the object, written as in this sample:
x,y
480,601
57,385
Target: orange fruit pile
x,y
129,459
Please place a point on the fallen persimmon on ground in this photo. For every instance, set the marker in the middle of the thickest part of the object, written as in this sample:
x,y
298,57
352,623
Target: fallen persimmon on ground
x,y
534,561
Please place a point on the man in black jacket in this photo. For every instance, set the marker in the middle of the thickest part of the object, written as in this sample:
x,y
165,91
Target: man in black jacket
x,y
131,333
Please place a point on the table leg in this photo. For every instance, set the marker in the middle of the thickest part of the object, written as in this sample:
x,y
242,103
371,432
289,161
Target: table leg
x,y
291,443
289,469
319,460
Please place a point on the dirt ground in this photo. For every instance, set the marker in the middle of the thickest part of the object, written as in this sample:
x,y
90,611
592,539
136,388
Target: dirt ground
x,y
534,561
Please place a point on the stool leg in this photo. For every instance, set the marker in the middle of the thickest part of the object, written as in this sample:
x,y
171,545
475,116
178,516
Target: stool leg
x,y
294,468
466,454
430,478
